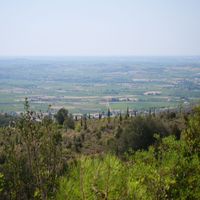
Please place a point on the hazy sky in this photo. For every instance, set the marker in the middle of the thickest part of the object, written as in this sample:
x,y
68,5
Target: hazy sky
x,y
99,27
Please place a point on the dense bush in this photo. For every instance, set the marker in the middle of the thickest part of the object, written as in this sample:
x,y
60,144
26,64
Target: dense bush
x,y
64,118
6,120
31,157
138,133
162,172
94,179
170,169
61,115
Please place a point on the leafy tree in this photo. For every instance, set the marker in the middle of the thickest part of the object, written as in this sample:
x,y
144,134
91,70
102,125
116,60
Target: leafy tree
x,y
1,182
138,133
127,113
33,157
81,121
120,117
100,116
192,132
69,122
108,113
94,179
61,115
85,122
169,175
6,120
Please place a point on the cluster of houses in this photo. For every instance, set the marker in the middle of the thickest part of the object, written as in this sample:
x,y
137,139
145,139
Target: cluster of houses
x,y
112,113
116,113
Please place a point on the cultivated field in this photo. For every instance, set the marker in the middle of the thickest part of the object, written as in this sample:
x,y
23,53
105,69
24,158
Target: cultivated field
x,y
92,84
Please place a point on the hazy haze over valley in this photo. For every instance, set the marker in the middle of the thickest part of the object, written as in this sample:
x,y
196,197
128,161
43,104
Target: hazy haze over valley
x,y
92,84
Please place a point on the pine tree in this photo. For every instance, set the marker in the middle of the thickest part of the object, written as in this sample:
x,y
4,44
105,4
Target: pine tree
x,y
127,113
85,122
108,113
120,117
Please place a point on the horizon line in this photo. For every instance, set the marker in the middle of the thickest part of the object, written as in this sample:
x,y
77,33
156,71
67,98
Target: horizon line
x,y
24,56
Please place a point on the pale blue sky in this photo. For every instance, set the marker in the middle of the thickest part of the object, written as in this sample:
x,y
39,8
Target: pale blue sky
x,y
99,27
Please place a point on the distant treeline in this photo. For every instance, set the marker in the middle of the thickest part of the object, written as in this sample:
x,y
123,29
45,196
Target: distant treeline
x,y
6,119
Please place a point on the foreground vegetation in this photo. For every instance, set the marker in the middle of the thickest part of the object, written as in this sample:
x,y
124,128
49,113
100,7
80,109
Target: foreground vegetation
x,y
142,157
163,173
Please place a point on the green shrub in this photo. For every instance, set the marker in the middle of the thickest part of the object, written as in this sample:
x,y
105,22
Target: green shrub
x,y
95,178
165,171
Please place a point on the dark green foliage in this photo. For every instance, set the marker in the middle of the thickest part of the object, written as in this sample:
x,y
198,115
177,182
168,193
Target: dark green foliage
x,y
118,132
81,121
138,133
1,183
85,122
127,113
192,132
69,122
169,175
108,113
77,144
6,120
64,118
176,131
120,117
98,135
33,157
171,115
61,115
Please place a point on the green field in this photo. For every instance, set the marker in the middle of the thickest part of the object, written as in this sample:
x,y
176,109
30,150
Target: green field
x,y
93,84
